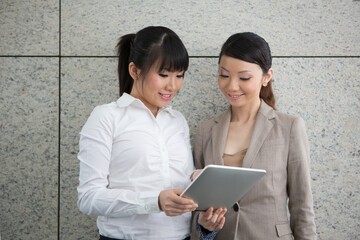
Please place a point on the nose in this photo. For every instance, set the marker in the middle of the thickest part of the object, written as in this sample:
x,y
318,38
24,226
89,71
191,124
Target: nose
x,y
171,84
233,84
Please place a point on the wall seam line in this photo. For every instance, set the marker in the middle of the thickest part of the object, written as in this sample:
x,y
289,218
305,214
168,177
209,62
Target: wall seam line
x,y
59,127
82,56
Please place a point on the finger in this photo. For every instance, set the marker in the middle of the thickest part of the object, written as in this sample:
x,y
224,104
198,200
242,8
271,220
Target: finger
x,y
220,224
175,201
196,174
182,200
178,191
209,213
222,213
203,217
218,215
215,216
179,209
174,212
186,208
175,204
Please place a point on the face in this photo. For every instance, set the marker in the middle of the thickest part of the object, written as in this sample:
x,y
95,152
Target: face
x,y
157,88
241,81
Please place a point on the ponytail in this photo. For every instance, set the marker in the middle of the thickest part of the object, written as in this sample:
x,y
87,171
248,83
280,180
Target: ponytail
x,y
124,51
267,95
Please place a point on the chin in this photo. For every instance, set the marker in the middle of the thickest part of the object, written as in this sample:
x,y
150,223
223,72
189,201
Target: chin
x,y
163,105
236,103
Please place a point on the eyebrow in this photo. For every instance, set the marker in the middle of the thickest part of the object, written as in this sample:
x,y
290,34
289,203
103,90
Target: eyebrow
x,y
238,72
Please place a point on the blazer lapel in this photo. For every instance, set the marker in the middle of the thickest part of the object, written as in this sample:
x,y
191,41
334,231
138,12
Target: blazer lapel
x,y
218,136
261,131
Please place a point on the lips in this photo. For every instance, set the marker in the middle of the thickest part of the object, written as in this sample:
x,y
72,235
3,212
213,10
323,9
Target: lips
x,y
234,96
166,97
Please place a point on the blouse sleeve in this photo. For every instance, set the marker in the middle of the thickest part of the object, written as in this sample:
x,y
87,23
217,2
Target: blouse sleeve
x,y
299,183
94,196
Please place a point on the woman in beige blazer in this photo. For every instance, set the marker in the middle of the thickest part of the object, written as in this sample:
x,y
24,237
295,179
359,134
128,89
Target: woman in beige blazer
x,y
252,134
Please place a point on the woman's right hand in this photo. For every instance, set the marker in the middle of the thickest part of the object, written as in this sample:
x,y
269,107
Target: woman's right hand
x,y
195,174
212,220
173,205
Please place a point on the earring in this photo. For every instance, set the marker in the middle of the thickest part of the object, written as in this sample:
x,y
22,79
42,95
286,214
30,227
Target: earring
x,y
265,84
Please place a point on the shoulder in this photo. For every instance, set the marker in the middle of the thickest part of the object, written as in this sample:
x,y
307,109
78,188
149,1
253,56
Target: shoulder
x,y
288,119
281,120
177,115
285,118
277,117
289,124
177,119
102,116
207,124
105,110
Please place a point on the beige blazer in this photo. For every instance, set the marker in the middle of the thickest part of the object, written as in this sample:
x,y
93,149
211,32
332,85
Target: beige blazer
x,y
279,145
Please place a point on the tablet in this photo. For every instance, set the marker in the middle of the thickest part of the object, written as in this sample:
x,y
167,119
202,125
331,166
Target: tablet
x,y
221,186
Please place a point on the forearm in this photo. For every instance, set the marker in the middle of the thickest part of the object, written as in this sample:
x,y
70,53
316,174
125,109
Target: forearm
x,y
116,202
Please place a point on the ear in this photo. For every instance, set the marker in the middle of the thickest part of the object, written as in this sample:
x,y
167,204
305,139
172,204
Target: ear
x,y
134,71
268,76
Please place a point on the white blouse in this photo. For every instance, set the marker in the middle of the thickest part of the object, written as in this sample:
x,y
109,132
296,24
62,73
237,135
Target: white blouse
x,y
127,156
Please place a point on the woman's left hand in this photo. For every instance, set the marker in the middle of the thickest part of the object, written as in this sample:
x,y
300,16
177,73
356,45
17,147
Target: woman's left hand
x,y
212,220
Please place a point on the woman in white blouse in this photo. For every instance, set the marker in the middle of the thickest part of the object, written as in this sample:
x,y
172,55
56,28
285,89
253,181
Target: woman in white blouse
x,y
135,154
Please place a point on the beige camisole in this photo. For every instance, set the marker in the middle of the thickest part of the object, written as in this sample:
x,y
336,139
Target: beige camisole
x,y
234,160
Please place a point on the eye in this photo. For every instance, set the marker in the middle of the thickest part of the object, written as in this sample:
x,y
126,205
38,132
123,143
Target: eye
x,y
163,75
244,79
180,75
223,76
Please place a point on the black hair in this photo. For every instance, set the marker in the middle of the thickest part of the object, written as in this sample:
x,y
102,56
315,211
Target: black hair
x,y
151,45
252,48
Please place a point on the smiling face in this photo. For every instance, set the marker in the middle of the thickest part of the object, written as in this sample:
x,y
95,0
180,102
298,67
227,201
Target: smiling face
x,y
157,88
241,81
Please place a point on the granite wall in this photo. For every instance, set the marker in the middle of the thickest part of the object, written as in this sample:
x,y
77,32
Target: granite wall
x,y
57,63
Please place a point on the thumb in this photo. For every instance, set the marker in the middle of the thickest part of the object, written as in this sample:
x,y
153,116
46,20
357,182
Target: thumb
x,y
178,191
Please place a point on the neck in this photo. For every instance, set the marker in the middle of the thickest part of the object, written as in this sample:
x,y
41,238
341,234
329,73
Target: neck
x,y
135,94
246,113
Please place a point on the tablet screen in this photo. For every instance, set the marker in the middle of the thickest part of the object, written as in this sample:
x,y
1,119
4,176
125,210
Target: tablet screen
x,y
222,186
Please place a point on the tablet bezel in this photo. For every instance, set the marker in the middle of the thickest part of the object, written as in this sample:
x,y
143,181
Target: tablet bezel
x,y
213,176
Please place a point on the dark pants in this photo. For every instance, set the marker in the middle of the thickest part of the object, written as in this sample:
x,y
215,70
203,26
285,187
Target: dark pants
x,y
107,238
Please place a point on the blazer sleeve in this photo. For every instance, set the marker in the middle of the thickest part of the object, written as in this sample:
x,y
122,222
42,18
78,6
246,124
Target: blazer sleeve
x,y
198,147
299,183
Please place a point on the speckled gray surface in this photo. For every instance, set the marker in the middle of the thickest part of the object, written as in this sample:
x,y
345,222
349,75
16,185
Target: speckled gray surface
x,y
324,91
28,148
199,97
293,28
29,27
85,84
